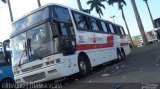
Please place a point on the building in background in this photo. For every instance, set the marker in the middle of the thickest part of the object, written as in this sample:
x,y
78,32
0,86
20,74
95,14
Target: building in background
x,y
157,29
137,41
157,22
151,36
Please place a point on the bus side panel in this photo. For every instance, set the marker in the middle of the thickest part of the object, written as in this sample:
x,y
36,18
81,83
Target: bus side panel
x,y
127,50
99,47
125,44
71,64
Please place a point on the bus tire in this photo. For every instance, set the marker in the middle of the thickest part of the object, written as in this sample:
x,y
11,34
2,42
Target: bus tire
x,y
84,66
123,54
119,55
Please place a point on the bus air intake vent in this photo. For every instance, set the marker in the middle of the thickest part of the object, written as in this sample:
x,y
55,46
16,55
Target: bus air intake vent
x,y
32,68
35,77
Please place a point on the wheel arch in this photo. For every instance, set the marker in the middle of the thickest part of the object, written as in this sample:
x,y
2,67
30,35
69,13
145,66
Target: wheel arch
x,y
84,55
122,49
118,49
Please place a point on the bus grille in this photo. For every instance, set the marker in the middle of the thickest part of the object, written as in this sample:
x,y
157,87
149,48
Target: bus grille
x,y
32,68
35,77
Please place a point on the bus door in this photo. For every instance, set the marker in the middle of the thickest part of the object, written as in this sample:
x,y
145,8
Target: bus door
x,y
65,32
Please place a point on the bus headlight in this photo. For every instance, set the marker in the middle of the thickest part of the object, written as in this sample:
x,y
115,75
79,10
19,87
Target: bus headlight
x,y
53,61
58,60
18,80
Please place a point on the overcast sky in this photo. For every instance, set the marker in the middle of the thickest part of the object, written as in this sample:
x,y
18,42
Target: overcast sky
x,y
21,7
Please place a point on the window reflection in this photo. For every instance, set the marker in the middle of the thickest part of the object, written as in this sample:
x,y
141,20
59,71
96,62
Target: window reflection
x,y
41,40
41,44
18,46
94,24
80,21
62,13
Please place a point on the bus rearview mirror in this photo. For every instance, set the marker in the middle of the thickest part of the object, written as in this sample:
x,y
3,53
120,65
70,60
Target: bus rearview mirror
x,y
28,42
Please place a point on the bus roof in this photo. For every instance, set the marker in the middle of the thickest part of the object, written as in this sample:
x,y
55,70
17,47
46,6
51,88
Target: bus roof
x,y
51,4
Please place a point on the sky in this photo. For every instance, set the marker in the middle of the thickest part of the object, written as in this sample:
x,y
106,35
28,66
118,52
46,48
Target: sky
x,y
22,7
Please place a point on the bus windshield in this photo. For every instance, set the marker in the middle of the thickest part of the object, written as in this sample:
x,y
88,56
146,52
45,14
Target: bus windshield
x,y
41,45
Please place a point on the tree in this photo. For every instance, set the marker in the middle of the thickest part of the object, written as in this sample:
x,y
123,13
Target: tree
x,y
140,25
9,7
97,4
39,3
79,5
121,3
146,1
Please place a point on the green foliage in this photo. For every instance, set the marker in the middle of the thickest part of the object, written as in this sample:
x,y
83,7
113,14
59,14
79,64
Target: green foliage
x,y
120,3
145,0
97,4
4,1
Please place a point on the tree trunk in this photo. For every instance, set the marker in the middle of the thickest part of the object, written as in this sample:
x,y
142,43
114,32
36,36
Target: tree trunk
x,y
150,13
10,10
79,5
99,15
39,3
141,28
127,26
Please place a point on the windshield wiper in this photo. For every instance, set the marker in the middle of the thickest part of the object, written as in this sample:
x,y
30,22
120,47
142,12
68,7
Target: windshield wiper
x,y
31,53
24,52
34,54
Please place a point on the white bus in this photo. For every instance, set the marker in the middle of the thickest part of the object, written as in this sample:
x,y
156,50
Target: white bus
x,y
55,41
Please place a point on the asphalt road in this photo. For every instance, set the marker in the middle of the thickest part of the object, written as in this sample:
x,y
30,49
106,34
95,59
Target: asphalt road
x,y
136,72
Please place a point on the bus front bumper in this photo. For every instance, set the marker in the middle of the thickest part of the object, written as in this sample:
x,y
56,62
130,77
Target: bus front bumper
x,y
42,75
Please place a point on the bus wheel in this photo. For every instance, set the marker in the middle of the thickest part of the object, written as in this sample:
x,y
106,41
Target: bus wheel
x,y
119,56
84,66
123,54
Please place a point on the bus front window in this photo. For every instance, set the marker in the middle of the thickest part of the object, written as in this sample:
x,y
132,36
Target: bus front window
x,y
18,47
41,42
41,45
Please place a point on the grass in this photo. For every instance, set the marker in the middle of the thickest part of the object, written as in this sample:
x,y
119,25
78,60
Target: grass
x,y
146,48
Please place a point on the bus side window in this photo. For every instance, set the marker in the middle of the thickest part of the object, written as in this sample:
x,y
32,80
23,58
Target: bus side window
x,y
62,13
67,32
103,25
94,24
115,29
63,30
118,30
111,28
122,31
68,40
80,21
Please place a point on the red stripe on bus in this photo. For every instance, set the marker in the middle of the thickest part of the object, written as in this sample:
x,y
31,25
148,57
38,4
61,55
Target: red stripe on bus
x,y
109,43
123,44
122,37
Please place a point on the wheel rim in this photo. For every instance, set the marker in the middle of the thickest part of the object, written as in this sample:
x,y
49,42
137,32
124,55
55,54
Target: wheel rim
x,y
83,66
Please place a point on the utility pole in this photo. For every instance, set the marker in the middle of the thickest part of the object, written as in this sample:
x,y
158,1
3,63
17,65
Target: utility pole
x,y
146,1
39,3
10,10
140,25
113,18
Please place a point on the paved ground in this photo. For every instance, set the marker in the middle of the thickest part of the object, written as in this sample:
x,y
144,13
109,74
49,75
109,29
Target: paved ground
x,y
142,66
